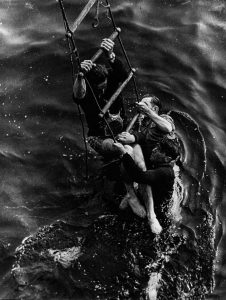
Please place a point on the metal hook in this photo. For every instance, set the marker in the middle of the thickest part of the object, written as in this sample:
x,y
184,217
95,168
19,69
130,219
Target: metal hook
x,y
95,24
105,6
108,7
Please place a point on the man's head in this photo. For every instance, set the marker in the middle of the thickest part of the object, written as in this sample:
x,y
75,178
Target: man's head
x,y
152,102
97,77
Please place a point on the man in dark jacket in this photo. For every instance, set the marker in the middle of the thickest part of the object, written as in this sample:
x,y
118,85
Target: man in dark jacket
x,y
93,93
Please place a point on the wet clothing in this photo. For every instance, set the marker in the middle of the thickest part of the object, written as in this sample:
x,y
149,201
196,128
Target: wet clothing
x,y
116,75
151,137
160,179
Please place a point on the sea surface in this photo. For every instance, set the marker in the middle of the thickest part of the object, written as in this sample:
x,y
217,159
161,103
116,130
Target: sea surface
x,y
178,48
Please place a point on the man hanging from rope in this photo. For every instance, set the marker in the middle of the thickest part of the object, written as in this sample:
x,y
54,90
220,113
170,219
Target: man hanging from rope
x,y
93,87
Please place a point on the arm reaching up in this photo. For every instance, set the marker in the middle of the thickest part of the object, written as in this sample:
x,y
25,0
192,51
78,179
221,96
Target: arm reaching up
x,y
108,45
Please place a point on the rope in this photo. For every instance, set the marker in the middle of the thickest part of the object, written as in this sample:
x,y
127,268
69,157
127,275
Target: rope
x,y
84,140
73,50
96,19
69,35
98,105
108,6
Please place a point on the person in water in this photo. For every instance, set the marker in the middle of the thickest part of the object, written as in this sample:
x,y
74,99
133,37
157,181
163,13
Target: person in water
x,y
103,82
154,151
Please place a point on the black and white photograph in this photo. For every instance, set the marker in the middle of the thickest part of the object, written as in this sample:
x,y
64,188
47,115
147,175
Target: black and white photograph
x,y
112,149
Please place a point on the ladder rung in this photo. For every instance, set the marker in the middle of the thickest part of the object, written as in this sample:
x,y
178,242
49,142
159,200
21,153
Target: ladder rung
x,y
82,15
115,95
132,122
100,51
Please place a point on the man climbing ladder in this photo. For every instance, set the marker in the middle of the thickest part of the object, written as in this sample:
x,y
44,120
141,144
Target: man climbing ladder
x,y
96,89
93,87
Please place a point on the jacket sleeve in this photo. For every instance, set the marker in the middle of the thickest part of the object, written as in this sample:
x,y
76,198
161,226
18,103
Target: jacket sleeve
x,y
140,137
118,70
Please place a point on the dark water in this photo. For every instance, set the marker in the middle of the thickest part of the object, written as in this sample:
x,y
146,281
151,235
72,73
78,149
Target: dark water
x,y
178,48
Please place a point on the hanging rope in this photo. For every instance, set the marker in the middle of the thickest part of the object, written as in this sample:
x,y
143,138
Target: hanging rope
x,y
100,110
69,35
108,6
73,51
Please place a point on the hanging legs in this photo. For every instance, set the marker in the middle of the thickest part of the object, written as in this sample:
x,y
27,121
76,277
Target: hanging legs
x,y
131,198
146,192
147,195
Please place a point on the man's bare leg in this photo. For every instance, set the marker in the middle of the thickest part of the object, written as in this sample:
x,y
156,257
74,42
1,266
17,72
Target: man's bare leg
x,y
124,203
138,157
133,201
136,153
147,191
149,203
131,198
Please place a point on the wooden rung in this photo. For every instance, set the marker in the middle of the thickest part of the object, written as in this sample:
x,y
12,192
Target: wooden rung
x,y
82,15
115,95
132,122
100,51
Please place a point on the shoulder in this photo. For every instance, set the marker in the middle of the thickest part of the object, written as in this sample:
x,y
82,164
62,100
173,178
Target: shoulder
x,y
170,135
169,119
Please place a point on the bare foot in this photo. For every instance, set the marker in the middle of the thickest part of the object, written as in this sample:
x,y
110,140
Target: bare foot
x,y
136,207
124,203
154,225
153,286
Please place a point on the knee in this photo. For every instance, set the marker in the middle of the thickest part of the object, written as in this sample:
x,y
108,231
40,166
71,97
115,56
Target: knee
x,y
129,149
138,157
107,145
140,164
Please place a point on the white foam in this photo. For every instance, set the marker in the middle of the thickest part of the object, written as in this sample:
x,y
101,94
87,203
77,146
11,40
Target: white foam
x,y
65,257
177,197
153,285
